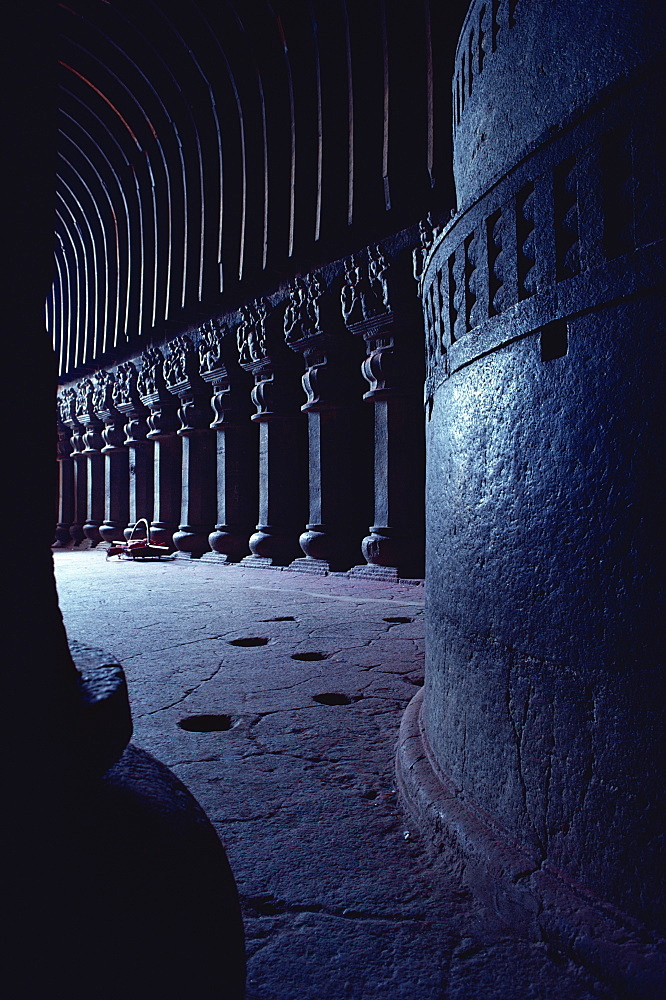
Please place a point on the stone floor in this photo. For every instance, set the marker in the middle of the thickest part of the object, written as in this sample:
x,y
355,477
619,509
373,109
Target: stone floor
x,y
306,678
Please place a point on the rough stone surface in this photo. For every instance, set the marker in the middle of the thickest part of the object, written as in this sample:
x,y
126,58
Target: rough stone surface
x,y
341,897
544,311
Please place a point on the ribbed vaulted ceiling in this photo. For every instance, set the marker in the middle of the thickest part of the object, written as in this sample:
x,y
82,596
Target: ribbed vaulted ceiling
x,y
209,149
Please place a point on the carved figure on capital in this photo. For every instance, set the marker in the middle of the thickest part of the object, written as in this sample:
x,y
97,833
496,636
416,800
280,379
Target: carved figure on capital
x,y
365,292
67,401
68,425
378,274
103,393
308,312
150,380
429,230
352,292
181,363
210,346
251,333
126,388
84,399
296,318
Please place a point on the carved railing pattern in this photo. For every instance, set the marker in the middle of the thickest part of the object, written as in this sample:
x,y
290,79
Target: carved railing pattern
x,y
486,23
531,234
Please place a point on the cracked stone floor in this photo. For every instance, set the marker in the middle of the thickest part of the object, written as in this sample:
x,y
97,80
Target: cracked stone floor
x,y
341,897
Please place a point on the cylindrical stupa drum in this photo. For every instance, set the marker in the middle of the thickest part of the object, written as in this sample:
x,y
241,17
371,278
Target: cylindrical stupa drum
x,y
534,746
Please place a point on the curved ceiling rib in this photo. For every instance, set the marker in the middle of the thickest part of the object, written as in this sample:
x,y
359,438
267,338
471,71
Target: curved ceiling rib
x,y
213,148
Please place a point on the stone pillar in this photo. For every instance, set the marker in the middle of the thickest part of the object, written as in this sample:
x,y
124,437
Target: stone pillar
x,y
332,538
162,424
197,514
237,479
68,400
377,306
282,454
141,451
65,501
92,451
535,747
116,460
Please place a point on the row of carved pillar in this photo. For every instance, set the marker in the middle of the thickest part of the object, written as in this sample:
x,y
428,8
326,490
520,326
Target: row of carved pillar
x,y
207,440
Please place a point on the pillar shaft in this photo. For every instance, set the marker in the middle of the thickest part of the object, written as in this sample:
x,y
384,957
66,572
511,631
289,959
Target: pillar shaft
x,y
198,486
376,307
127,399
80,469
162,422
237,445
141,483
167,488
313,328
65,497
282,439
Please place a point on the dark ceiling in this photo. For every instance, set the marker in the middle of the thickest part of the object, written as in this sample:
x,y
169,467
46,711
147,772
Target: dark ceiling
x,y
210,150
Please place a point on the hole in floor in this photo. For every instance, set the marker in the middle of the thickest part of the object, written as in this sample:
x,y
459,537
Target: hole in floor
x,y
310,656
280,618
206,723
335,698
398,620
249,641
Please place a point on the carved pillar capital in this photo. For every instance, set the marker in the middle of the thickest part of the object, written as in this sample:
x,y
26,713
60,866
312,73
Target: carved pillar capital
x,y
67,402
219,367
65,478
182,378
311,328
86,416
127,400
113,434
92,448
154,394
261,354
69,428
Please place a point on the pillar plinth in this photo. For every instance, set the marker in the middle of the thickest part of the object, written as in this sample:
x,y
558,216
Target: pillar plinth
x,y
167,466
236,445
